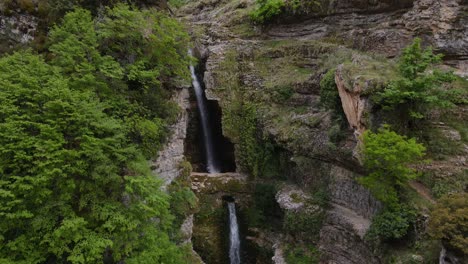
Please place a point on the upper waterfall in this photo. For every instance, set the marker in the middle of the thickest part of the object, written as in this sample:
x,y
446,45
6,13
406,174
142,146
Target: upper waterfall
x,y
211,161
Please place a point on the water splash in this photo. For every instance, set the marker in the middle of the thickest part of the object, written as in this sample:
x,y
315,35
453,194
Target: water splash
x,y
212,166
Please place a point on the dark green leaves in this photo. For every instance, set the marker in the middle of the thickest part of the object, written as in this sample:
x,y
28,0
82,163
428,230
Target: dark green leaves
x,y
74,184
421,86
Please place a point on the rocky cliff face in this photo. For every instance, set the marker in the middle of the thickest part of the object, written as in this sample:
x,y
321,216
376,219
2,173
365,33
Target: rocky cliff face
x,y
352,208
16,30
167,164
278,69
388,26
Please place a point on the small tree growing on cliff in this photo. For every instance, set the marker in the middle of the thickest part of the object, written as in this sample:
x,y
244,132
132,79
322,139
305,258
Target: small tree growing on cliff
x,y
448,222
421,85
387,156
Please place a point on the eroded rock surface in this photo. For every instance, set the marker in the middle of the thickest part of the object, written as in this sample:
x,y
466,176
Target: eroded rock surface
x,y
167,164
17,29
295,53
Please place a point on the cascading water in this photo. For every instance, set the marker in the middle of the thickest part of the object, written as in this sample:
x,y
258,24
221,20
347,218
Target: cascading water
x,y
213,166
211,163
234,241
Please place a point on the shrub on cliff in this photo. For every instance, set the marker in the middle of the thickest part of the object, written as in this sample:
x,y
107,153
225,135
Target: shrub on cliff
x,y
329,97
306,254
387,157
392,223
421,85
268,10
448,221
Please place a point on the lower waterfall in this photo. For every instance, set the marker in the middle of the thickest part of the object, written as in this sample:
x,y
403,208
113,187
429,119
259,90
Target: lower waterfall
x,y
234,240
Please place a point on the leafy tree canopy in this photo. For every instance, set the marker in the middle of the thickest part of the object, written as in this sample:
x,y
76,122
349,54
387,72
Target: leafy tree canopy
x,y
387,156
449,221
421,85
392,223
75,186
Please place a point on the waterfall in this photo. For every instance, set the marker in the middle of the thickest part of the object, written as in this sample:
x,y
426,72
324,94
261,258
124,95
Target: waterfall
x,y
443,251
234,242
212,166
446,257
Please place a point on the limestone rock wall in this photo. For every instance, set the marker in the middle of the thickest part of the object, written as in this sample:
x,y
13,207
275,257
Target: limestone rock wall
x,y
166,165
291,53
17,29
347,221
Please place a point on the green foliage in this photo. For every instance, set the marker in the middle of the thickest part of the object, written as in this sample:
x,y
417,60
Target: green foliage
x,y
304,223
448,221
254,153
75,187
128,88
392,223
267,10
148,134
74,46
329,97
183,201
149,45
177,3
456,183
387,156
263,207
421,86
72,186
282,93
303,255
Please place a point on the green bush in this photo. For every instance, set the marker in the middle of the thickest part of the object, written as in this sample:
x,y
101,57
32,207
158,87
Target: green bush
x,y
148,134
387,157
255,153
329,97
421,86
267,10
448,221
264,205
282,93
456,183
182,202
392,223
303,255
304,223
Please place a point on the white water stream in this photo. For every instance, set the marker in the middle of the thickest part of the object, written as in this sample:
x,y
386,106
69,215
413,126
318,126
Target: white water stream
x,y
213,167
234,241
211,164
